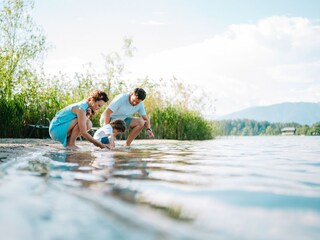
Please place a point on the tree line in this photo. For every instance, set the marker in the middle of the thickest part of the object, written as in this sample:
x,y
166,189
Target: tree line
x,y
246,127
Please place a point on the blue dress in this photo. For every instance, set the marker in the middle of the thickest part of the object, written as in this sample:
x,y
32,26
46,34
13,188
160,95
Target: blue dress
x,y
59,125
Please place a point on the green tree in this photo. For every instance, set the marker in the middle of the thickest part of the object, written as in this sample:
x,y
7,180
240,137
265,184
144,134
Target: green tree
x,y
21,43
302,130
315,129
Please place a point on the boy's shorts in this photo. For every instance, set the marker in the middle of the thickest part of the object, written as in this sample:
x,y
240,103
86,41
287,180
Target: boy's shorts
x,y
105,140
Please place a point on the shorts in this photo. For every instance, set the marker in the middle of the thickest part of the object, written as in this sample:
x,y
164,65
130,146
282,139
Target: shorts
x,y
105,140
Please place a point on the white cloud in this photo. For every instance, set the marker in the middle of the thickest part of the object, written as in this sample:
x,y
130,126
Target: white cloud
x,y
274,60
148,22
152,22
297,73
159,13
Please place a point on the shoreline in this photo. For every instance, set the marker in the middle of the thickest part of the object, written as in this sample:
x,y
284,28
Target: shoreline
x,y
15,147
11,148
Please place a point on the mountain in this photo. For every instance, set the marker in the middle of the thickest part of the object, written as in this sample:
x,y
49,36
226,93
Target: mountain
x,y
299,112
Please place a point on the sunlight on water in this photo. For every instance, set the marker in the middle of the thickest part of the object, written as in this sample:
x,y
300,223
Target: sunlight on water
x,y
228,188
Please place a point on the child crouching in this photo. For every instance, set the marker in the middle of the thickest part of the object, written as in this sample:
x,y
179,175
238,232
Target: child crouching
x,y
107,134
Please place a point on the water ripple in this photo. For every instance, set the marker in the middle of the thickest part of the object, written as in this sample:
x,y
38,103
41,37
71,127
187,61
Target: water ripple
x,y
228,188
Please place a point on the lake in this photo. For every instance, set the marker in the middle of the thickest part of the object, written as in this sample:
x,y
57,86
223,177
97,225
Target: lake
x,y
227,188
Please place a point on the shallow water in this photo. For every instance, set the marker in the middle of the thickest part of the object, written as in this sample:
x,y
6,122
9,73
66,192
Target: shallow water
x,y
228,188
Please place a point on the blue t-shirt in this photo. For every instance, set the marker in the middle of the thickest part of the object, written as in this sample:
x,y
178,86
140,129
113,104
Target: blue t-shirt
x,y
121,108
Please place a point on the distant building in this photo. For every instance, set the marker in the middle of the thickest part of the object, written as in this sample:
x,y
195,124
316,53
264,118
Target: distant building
x,y
288,131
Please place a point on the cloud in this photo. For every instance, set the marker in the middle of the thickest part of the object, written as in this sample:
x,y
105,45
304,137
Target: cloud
x,y
297,72
151,22
159,13
275,60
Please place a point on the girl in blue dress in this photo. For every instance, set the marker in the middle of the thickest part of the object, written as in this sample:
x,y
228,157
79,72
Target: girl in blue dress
x,y
72,121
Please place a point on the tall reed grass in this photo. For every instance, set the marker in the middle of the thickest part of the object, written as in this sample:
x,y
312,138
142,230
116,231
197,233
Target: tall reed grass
x,y
11,117
167,122
175,123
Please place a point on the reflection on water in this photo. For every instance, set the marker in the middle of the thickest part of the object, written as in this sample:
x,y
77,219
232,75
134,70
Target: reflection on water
x,y
229,188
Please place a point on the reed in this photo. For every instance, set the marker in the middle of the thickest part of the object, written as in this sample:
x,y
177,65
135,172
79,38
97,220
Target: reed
x,y
174,123
11,114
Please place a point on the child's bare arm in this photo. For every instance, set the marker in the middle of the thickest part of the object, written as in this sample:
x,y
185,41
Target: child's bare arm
x,y
111,139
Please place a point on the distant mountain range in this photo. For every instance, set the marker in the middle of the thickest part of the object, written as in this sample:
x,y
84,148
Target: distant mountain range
x,y
299,112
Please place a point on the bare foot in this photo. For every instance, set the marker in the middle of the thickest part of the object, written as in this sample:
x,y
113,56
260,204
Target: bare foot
x,y
72,147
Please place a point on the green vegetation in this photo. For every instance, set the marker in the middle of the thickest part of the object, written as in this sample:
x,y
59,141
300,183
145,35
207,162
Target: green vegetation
x,y
173,123
254,128
21,43
28,95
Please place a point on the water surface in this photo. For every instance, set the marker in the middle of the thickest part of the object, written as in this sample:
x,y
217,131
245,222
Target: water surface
x,y
228,188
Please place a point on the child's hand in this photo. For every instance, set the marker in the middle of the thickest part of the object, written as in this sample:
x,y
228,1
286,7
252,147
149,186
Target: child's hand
x,y
105,146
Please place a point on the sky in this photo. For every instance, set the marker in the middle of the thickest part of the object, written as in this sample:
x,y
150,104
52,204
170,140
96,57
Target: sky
x,y
243,53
